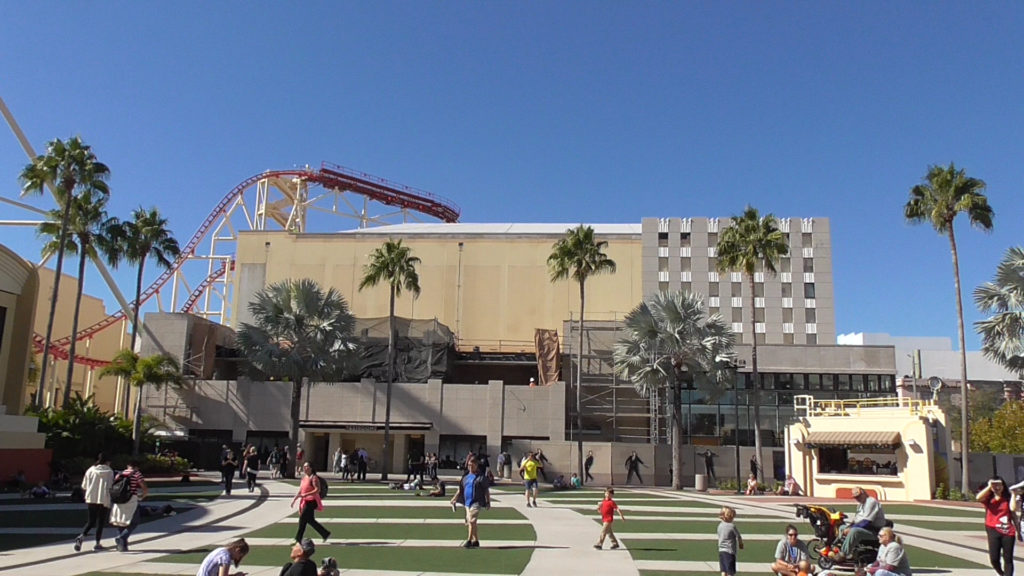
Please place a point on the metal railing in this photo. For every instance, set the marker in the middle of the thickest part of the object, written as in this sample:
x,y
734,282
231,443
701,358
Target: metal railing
x,y
807,405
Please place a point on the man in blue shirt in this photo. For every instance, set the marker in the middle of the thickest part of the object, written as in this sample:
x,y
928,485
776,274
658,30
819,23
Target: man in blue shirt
x,y
474,494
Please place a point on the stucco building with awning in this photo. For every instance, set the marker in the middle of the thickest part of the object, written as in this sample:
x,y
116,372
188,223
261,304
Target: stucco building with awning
x,y
894,447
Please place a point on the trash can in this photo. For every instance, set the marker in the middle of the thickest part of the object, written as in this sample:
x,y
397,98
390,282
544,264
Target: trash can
x,y
700,483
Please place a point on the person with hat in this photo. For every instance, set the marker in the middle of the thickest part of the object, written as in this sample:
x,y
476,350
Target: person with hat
x,y
302,563
866,522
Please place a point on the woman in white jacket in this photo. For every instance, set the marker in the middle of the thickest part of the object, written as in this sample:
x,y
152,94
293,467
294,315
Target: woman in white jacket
x,y
96,483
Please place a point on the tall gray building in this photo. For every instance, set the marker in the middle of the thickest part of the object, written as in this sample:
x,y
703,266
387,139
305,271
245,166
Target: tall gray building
x,y
794,306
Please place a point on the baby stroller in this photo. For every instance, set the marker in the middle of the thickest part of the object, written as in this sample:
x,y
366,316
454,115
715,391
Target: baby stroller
x,y
828,539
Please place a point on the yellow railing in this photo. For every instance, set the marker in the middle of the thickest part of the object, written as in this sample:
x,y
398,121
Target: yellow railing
x,y
806,405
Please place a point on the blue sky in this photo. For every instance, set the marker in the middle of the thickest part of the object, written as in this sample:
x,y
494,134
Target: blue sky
x,y
555,112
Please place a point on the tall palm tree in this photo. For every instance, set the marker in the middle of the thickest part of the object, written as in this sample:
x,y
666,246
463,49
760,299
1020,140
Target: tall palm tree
x,y
69,168
158,370
1002,334
146,236
752,242
668,340
943,194
395,265
578,255
300,332
88,233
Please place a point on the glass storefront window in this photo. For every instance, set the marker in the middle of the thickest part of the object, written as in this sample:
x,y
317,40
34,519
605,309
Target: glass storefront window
x,y
814,381
828,381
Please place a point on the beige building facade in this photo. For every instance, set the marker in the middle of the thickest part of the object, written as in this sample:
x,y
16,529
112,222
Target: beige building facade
x,y
896,447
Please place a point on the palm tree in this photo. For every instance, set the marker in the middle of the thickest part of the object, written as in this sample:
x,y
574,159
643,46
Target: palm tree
x,y
579,256
143,237
69,168
299,332
89,231
158,370
944,193
1002,334
394,264
669,340
750,243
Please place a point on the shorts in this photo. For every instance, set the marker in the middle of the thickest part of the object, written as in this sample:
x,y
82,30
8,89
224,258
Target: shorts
x,y
531,484
472,512
726,563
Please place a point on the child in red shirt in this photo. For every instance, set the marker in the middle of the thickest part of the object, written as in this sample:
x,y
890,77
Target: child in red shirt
x,y
608,508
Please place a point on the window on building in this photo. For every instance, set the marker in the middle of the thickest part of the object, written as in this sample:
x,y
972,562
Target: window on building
x,y
814,381
662,287
758,314
767,380
787,338
684,238
787,315
874,461
760,338
713,311
828,381
713,289
812,339
759,290
737,314
808,265
712,238
662,264
662,238
842,382
857,382
736,289
785,264
810,316
888,383
686,287
785,381
712,264
809,290
684,264
787,290
805,240
873,385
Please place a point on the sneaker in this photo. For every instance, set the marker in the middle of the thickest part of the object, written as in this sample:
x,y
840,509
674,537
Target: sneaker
x,y
467,544
78,544
614,546
98,548
534,502
476,544
597,546
121,546
327,536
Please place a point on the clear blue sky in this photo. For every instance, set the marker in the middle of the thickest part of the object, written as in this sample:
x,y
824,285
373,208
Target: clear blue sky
x,y
555,112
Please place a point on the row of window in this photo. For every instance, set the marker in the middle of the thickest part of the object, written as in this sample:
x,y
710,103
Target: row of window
x,y
736,288
806,239
685,263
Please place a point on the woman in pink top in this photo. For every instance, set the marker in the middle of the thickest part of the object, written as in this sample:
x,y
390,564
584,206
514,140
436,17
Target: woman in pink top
x,y
309,495
999,525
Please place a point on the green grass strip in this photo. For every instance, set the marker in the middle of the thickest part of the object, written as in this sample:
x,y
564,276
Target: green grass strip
x,y
924,510
412,512
709,527
405,558
340,530
945,525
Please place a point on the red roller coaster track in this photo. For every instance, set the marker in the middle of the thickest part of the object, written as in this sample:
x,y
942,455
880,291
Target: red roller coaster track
x,y
330,176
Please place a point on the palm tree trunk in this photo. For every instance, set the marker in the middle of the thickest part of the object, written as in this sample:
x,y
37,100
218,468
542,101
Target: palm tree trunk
x,y
677,435
135,327
756,384
53,298
965,480
386,464
74,329
137,422
294,432
579,392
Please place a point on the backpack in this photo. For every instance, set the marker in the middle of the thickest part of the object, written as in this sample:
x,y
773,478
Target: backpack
x,y
121,489
323,486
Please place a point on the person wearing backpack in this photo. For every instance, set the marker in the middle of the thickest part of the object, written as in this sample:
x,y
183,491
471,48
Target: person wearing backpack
x,y
126,514
310,499
96,486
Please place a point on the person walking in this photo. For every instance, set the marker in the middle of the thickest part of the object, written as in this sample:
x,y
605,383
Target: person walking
x,y
251,465
227,469
126,515
337,460
283,464
343,465
542,461
587,465
633,464
755,468
529,471
310,502
608,508
364,459
220,560
709,464
96,484
999,525
273,462
473,494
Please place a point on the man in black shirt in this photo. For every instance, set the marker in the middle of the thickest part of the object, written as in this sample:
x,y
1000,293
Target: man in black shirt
x,y
301,564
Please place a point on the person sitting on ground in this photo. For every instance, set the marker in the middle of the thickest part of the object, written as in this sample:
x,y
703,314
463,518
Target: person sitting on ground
x,y
791,555
39,490
301,564
439,490
751,485
219,562
575,482
892,558
560,483
416,484
790,488
21,483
